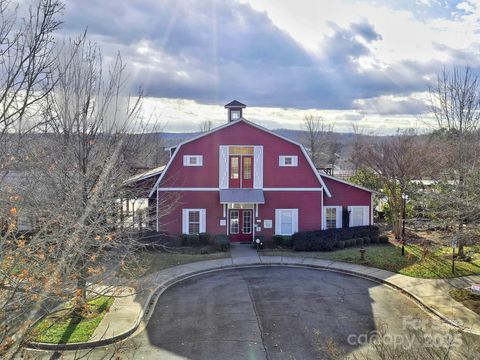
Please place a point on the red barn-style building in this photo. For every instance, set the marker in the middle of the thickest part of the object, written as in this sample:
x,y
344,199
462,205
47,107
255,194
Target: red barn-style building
x,y
243,180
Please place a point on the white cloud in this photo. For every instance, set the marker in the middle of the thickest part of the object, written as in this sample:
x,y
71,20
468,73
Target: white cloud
x,y
406,34
180,115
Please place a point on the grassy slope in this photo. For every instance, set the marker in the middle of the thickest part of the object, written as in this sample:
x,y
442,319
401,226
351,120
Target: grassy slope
x,y
151,261
437,264
471,301
57,329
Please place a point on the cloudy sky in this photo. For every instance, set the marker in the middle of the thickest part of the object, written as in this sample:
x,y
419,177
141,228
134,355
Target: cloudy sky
x,y
365,62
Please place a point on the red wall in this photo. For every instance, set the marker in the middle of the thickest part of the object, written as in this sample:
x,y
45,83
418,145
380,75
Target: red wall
x,y
345,195
308,204
239,134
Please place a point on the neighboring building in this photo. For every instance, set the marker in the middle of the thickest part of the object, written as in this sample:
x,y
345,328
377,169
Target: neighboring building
x,y
243,180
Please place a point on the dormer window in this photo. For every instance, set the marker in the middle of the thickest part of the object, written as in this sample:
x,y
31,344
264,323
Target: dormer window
x,y
235,115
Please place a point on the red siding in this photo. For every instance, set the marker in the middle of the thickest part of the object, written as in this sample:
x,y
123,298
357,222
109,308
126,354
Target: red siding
x,y
209,200
308,204
346,195
239,134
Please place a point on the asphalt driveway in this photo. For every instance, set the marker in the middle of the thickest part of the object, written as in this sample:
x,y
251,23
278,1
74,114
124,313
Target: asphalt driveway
x,y
264,313
273,313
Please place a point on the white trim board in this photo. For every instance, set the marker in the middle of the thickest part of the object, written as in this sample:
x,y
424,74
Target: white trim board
x,y
218,189
302,148
346,182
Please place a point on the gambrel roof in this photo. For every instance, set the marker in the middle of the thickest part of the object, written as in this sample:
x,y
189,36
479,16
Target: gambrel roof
x,y
232,123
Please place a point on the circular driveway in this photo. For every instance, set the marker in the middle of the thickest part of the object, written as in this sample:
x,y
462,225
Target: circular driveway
x,y
271,313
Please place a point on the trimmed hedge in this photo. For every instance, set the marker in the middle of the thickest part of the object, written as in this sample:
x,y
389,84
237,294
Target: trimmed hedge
x,y
383,239
190,240
326,240
221,243
204,238
283,240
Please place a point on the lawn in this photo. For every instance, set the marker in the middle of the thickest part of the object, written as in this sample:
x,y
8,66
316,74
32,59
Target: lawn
x,y
436,265
471,301
147,262
59,328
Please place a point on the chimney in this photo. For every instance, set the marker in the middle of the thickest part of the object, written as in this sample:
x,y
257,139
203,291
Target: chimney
x,y
235,110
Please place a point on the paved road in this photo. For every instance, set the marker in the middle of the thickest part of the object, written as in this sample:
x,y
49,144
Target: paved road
x,y
274,313
266,313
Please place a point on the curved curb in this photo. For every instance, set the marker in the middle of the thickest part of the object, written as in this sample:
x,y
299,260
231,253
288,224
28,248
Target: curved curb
x,y
152,299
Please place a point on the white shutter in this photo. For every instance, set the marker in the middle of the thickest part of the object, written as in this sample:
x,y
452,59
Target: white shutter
x,y
294,160
200,160
339,217
203,220
294,221
185,160
281,160
324,218
350,218
223,167
258,167
366,216
278,224
184,221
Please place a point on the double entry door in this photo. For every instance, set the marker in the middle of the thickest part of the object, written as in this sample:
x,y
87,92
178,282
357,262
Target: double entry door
x,y
241,225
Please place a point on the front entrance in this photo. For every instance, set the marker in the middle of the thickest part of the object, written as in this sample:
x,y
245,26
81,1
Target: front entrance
x,y
241,225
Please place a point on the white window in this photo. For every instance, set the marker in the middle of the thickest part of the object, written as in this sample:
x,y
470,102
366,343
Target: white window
x,y
193,221
332,217
290,160
235,115
359,215
192,160
286,221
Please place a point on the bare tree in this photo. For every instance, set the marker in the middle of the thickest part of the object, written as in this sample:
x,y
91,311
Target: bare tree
x,y
396,161
316,139
455,102
205,126
72,182
27,57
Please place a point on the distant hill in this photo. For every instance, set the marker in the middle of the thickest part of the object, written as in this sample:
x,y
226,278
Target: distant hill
x,y
171,139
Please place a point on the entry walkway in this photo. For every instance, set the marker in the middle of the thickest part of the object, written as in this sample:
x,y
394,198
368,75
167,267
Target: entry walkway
x,y
243,252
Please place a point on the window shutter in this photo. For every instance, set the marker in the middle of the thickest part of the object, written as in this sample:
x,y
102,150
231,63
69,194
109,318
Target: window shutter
x,y
223,167
339,217
200,160
294,221
185,160
294,160
350,218
278,225
324,218
366,215
258,167
203,220
281,160
184,221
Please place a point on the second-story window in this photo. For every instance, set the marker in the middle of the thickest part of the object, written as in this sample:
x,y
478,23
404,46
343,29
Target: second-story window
x,y
234,168
192,160
241,166
288,160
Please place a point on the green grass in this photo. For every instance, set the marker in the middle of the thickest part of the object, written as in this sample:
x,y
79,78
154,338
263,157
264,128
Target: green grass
x,y
147,262
436,265
467,298
59,328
